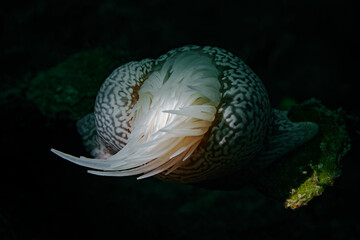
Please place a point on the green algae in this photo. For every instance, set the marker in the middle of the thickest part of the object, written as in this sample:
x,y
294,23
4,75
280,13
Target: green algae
x,y
69,89
286,103
305,173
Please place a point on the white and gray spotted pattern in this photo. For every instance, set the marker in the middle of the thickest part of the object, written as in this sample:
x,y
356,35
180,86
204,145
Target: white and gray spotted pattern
x,y
240,131
116,96
242,121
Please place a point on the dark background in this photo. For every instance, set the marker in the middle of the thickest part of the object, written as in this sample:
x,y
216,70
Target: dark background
x,y
301,49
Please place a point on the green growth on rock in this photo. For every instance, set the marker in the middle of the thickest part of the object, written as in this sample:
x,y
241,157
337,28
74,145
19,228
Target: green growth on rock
x,y
305,173
69,89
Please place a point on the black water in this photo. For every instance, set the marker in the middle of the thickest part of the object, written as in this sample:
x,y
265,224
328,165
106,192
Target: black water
x,y
300,49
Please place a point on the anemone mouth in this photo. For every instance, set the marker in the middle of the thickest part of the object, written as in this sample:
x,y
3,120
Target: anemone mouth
x,y
176,107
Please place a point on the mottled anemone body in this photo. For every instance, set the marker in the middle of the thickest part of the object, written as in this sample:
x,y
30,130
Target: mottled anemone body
x,y
193,114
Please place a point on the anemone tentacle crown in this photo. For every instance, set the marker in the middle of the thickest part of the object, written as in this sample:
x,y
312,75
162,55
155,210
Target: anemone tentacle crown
x,y
194,114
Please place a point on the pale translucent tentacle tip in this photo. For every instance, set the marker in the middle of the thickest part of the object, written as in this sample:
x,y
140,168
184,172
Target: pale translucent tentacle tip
x,y
95,163
57,152
64,155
